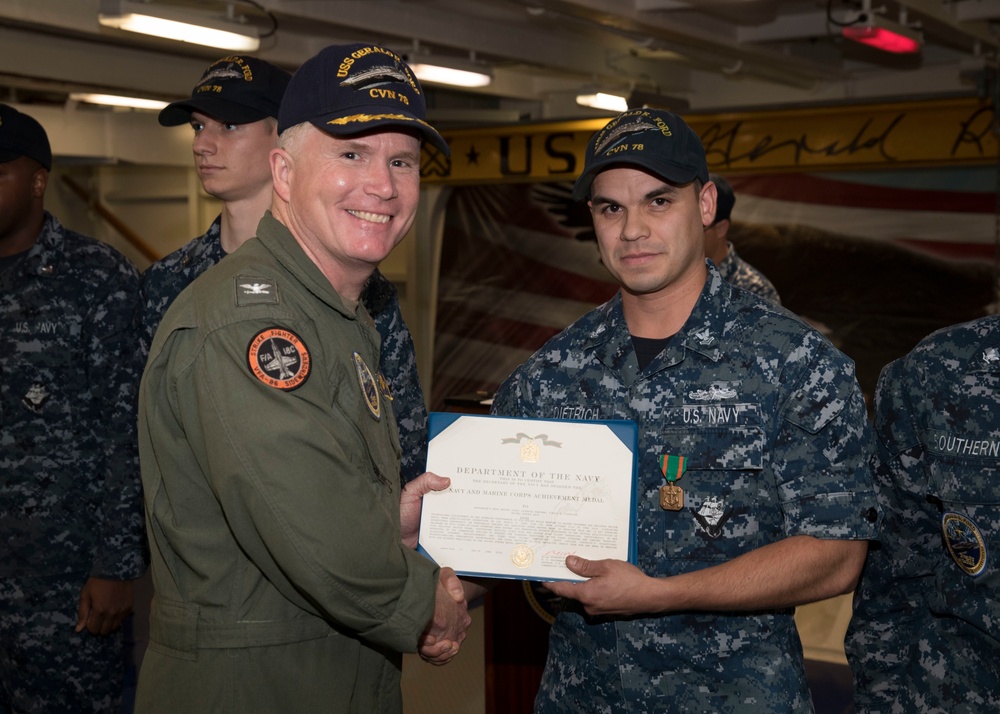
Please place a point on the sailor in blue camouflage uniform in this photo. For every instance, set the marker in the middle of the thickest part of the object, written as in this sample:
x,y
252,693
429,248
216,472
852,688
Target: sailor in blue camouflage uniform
x,y
925,636
730,265
755,493
233,110
70,498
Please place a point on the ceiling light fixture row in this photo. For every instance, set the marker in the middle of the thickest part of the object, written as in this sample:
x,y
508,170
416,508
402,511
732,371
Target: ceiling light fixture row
x,y
451,71
175,24
435,71
634,99
114,100
603,100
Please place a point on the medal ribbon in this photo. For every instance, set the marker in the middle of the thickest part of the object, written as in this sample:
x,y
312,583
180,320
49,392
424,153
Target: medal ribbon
x,y
672,467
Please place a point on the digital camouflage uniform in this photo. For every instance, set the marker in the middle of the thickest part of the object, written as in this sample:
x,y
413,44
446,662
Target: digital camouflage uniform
x,y
70,501
925,636
164,280
269,461
773,426
740,273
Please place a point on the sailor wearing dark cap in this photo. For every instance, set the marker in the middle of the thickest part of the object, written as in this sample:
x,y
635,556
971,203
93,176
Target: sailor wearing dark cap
x,y
233,111
22,135
70,502
285,575
755,490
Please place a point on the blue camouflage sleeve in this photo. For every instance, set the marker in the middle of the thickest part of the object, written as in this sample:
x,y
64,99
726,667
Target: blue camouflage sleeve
x,y
156,293
889,601
398,364
115,367
509,398
821,455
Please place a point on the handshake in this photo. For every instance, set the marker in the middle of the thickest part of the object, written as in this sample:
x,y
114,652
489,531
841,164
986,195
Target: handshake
x,y
443,636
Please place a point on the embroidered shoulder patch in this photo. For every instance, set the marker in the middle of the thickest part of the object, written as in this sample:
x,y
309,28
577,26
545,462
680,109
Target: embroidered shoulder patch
x,y
965,542
255,291
278,358
368,387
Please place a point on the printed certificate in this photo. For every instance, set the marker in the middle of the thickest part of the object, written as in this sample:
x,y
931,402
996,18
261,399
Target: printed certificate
x,y
525,493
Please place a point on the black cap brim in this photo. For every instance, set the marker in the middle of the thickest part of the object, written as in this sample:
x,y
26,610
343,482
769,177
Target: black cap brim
x,y
362,119
44,161
178,113
667,171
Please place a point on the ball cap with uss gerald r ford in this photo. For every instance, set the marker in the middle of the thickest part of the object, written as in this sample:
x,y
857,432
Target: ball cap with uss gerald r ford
x,y
349,89
21,135
653,139
233,90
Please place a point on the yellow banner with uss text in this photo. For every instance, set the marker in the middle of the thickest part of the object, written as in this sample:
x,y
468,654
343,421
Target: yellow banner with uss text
x,y
871,136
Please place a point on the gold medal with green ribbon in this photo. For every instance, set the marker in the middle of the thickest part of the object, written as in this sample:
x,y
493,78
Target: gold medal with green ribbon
x,y
672,495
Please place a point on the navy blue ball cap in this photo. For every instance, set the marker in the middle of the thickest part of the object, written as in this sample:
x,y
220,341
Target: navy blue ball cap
x,y
233,90
21,135
350,89
652,139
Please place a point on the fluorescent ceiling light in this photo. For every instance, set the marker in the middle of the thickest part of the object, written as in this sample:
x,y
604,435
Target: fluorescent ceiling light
x,y
149,19
116,101
882,34
600,100
437,74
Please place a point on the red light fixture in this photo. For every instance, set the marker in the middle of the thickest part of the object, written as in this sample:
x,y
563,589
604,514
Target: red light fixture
x,y
881,34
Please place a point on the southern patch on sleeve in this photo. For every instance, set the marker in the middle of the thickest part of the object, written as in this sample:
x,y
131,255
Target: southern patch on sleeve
x,y
965,542
279,358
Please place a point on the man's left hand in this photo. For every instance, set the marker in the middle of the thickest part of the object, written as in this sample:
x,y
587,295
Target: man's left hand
x,y
614,587
104,605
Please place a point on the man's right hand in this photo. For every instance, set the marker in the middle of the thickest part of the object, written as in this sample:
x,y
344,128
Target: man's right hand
x,y
445,632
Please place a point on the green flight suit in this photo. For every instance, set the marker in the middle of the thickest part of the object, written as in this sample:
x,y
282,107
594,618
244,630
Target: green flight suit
x,y
270,464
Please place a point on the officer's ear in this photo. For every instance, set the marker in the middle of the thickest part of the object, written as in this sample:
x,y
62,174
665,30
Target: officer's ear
x,y
281,168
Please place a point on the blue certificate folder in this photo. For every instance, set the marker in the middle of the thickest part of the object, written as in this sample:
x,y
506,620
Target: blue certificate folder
x,y
526,493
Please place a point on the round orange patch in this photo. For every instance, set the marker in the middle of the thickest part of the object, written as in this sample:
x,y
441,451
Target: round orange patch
x,y
279,358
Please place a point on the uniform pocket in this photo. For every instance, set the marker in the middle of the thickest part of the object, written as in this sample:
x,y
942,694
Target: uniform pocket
x,y
721,481
967,577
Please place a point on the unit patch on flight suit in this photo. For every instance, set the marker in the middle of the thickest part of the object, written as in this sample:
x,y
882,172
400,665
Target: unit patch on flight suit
x,y
368,387
279,358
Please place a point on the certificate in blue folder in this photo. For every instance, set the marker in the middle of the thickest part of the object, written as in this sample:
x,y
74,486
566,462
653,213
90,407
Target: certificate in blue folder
x,y
526,493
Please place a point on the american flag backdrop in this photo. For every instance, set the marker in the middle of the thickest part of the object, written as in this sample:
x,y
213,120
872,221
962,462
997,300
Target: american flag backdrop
x,y
875,259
